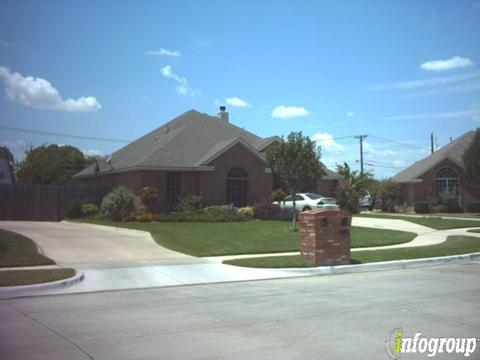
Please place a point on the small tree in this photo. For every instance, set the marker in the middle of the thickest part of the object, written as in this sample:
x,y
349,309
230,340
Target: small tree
x,y
471,158
352,186
297,162
389,192
6,154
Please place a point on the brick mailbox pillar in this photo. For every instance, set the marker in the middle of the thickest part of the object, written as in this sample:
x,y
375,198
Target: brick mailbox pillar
x,y
325,236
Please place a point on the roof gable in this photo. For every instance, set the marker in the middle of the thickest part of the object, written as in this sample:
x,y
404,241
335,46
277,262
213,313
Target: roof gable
x,y
453,151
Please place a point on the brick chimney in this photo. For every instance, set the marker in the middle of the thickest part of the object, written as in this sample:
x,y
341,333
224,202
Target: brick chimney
x,y
223,114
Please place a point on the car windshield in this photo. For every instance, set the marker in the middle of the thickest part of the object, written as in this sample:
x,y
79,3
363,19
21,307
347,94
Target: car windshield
x,y
313,196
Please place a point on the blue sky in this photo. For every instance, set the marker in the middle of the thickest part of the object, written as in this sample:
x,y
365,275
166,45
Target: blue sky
x,y
394,70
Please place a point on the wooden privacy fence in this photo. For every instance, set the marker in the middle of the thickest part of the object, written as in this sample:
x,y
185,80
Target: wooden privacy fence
x,y
45,202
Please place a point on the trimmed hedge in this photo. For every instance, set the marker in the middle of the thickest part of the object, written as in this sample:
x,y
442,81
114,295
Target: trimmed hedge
x,y
422,207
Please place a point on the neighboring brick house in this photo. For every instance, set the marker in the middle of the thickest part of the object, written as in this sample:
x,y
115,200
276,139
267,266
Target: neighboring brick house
x,y
440,171
200,154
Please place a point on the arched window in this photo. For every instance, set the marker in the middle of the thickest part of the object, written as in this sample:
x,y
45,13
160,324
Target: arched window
x,y
237,184
446,180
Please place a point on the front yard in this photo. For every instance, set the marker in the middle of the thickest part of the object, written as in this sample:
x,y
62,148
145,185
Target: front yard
x,y
455,245
248,237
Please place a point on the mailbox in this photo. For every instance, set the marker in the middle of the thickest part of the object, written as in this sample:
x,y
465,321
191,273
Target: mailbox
x,y
325,236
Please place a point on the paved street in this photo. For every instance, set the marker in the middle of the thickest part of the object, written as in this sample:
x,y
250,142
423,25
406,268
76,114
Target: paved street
x,y
327,317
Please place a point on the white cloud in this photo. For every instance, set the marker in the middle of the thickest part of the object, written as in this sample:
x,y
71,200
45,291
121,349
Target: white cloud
x,y
285,112
442,115
182,88
237,102
413,84
349,114
39,93
447,64
325,140
163,52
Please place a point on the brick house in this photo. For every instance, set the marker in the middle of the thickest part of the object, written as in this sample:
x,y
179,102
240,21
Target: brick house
x,y
200,154
443,170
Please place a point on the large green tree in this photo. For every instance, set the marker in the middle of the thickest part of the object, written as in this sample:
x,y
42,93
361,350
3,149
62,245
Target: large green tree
x,y
51,165
471,158
297,161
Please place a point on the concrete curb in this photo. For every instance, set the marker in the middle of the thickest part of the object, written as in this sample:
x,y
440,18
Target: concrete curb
x,y
384,265
30,290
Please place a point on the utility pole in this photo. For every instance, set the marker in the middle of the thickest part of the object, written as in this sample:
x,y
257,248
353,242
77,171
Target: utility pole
x,y
432,148
361,137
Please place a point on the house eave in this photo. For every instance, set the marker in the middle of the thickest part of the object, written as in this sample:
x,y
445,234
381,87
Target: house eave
x,y
146,168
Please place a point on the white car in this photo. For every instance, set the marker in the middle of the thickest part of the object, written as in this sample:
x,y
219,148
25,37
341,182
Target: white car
x,y
306,201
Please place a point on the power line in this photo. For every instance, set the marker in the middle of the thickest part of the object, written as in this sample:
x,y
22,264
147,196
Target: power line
x,y
398,142
384,166
41,132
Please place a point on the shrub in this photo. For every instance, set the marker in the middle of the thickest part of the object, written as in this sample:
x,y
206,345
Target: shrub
x,y
389,192
264,208
119,204
422,207
89,209
450,200
247,211
144,216
189,202
74,211
148,196
278,195
473,207
209,214
347,197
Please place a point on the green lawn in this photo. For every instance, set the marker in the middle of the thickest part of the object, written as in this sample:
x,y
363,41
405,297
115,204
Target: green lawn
x,y
431,222
474,231
29,277
249,237
455,245
18,250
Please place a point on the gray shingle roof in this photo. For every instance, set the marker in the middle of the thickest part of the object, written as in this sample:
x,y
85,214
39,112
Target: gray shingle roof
x,y
189,141
453,151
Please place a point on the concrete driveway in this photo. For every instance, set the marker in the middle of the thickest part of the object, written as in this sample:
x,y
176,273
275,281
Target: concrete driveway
x,y
86,246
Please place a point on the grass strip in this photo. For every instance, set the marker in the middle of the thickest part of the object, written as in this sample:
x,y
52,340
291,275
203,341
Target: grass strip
x,y
30,277
455,245
18,250
429,221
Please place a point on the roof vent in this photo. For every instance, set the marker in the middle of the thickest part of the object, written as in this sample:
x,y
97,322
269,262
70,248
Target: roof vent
x,y
223,114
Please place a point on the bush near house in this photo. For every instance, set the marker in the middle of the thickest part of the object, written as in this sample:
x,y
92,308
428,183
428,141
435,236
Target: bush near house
x,y
278,195
264,209
224,213
74,210
89,210
190,202
119,204
148,197
422,207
